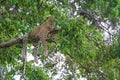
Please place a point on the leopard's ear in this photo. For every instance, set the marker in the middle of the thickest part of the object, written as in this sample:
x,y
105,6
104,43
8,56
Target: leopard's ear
x,y
49,17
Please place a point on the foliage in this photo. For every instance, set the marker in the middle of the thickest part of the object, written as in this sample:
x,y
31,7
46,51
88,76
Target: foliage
x,y
81,42
35,73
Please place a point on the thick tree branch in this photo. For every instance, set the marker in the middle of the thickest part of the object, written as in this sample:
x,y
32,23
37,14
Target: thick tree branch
x,y
10,43
90,16
19,40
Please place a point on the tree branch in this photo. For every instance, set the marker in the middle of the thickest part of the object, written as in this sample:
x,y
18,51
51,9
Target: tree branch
x,y
20,40
90,16
10,43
